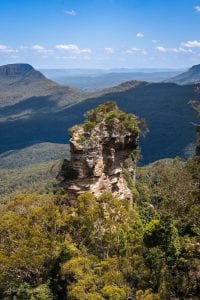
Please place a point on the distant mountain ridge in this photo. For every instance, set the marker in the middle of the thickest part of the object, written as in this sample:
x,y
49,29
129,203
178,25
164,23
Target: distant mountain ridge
x,y
192,76
19,82
14,69
52,109
164,106
95,80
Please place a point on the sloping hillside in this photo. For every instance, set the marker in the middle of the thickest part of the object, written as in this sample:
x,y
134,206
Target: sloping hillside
x,y
31,168
192,76
19,82
163,105
38,153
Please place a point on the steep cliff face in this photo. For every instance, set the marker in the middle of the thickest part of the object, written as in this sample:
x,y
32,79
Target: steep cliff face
x,y
103,153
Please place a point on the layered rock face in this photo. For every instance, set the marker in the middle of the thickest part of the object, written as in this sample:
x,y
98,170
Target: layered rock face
x,y
102,149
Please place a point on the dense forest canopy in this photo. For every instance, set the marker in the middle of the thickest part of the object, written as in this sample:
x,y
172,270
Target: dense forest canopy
x,y
104,247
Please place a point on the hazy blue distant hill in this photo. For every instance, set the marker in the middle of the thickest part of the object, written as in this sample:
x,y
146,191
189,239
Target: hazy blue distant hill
x,y
191,76
164,105
56,73
19,82
96,79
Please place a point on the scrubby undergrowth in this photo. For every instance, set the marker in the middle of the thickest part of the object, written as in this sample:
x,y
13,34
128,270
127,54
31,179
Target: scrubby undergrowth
x,y
106,248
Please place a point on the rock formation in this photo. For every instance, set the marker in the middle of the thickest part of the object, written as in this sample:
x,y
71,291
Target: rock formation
x,y
103,153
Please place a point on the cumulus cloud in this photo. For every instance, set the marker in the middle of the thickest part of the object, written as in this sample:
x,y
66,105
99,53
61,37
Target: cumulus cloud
x,y
140,35
6,49
175,50
38,47
72,48
41,49
197,8
192,44
70,12
109,50
136,50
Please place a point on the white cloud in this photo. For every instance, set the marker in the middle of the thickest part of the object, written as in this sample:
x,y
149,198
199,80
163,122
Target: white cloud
x,y
192,44
109,50
136,50
71,12
163,49
140,35
173,50
73,48
7,49
197,8
38,47
180,49
41,49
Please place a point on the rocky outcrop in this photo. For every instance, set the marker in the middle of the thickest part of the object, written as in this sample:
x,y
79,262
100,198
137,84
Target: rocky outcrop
x,y
102,150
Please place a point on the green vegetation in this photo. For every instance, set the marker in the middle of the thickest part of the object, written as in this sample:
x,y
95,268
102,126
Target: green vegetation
x,y
111,115
130,183
28,179
35,154
103,247
88,125
31,169
97,114
29,224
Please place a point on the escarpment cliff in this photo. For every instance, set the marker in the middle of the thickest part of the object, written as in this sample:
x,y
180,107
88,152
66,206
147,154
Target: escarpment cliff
x,y
103,153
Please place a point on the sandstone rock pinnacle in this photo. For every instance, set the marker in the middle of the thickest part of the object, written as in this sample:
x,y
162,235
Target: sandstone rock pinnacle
x,y
103,153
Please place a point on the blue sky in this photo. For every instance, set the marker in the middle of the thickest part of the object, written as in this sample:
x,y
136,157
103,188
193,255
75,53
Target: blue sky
x,y
100,33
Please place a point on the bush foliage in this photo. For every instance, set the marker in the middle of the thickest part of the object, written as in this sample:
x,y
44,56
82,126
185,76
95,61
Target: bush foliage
x,y
103,247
